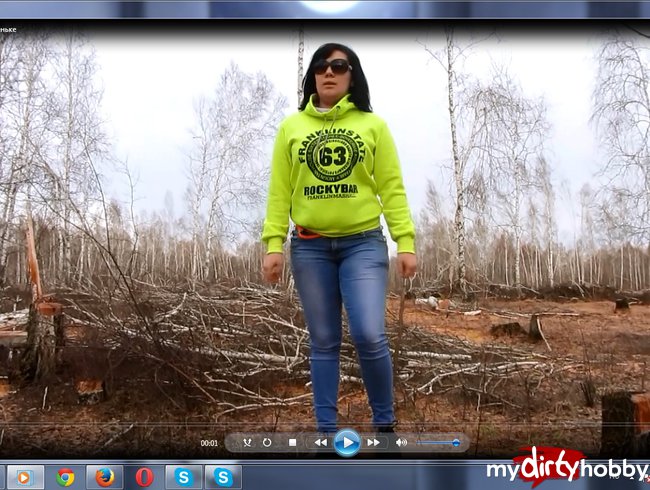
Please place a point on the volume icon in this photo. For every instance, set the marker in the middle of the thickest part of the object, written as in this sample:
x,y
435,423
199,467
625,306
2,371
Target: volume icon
x,y
401,442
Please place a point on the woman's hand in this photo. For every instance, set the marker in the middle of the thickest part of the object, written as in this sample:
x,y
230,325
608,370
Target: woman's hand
x,y
407,264
272,267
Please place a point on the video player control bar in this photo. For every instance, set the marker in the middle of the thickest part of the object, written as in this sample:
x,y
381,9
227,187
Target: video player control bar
x,y
347,442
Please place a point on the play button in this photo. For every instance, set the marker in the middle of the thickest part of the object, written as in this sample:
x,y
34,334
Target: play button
x,y
23,477
347,443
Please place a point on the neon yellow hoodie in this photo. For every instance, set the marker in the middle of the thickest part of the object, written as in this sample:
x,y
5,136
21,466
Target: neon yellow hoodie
x,y
327,173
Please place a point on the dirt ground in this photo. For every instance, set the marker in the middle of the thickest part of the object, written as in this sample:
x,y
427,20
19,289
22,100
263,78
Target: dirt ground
x,y
587,341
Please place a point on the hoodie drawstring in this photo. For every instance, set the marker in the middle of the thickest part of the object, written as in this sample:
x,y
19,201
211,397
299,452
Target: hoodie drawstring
x,y
321,149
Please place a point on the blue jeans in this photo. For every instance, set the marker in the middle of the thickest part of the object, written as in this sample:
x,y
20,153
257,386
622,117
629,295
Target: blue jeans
x,y
350,271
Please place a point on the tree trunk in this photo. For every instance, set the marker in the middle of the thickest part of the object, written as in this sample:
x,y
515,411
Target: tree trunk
x,y
505,267
301,55
44,335
8,216
459,215
61,266
622,267
82,257
517,219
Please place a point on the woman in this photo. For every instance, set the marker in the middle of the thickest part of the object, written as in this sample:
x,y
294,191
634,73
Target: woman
x,y
334,171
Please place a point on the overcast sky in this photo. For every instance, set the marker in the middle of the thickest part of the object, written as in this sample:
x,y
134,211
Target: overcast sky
x,y
151,79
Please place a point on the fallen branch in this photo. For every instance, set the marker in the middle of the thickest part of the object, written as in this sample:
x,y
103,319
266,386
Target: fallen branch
x,y
435,355
13,339
240,347
472,313
557,313
15,320
116,436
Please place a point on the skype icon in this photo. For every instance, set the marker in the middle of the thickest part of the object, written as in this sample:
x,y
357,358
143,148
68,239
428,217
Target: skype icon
x,y
223,476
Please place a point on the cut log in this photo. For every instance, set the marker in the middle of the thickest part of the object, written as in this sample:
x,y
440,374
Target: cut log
x,y
91,369
625,424
642,297
90,391
472,313
444,305
641,445
5,387
431,301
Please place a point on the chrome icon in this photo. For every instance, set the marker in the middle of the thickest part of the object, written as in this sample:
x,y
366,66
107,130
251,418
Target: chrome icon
x,y
104,477
65,477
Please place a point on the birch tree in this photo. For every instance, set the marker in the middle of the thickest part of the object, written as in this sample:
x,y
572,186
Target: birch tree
x,y
11,76
622,121
199,173
512,144
79,139
587,229
301,57
229,160
435,239
543,179
24,122
464,124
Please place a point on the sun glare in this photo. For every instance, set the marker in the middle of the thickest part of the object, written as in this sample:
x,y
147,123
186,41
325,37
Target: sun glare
x,y
329,7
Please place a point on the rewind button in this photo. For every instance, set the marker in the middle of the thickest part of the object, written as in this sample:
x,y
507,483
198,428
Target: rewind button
x,y
317,442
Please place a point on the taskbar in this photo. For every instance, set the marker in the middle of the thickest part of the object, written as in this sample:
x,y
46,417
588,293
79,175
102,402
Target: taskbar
x,y
339,474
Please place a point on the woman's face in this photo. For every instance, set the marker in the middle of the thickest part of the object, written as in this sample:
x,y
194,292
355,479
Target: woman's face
x,y
334,82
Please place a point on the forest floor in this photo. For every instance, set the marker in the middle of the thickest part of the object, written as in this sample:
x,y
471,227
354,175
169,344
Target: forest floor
x,y
540,400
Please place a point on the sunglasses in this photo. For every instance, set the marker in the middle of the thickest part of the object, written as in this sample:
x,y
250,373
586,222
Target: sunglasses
x,y
338,66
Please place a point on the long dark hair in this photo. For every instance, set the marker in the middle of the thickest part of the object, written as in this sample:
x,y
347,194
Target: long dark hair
x,y
359,92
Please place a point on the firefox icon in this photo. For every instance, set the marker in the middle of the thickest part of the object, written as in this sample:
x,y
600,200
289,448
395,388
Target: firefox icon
x,y
65,477
105,477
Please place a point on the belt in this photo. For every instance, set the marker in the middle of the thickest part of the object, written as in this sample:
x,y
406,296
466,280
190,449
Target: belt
x,y
306,234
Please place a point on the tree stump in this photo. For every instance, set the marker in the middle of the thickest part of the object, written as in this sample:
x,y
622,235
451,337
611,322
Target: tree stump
x,y
622,306
38,360
625,424
535,332
90,391
5,386
509,329
535,328
90,366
